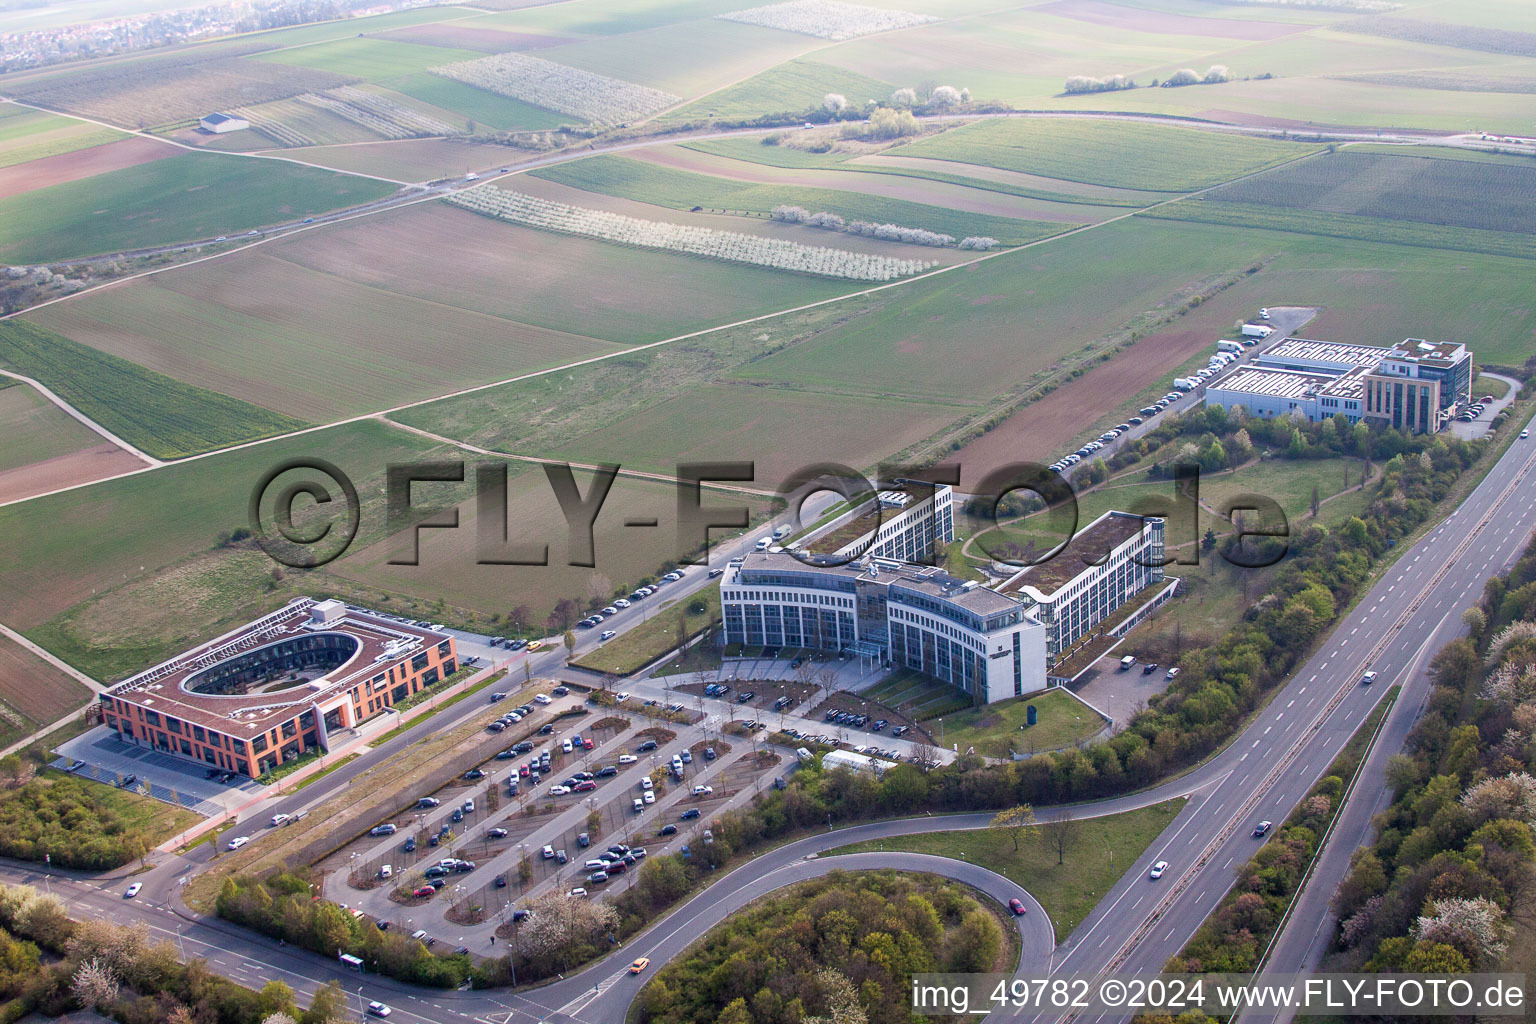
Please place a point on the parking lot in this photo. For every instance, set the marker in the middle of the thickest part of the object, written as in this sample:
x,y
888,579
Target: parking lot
x,y
175,780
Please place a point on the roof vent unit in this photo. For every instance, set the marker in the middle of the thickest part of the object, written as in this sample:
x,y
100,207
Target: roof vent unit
x,y
323,613
894,499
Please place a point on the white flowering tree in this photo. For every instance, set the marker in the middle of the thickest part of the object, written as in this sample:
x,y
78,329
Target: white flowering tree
x,y
557,920
735,246
904,98
95,984
944,96
1510,796
834,102
544,83
1217,73
1474,926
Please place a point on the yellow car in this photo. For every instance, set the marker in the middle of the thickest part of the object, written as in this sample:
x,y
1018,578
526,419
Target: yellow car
x,y
534,645
640,965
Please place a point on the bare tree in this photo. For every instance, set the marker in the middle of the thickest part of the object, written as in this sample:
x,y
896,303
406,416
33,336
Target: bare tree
x,y
1060,832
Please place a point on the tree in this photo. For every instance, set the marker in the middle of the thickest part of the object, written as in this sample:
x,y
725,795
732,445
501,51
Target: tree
x,y
11,769
1019,822
944,96
569,639
1472,618
1208,542
834,102
1061,831
95,984
904,98
1316,502
274,998
330,1003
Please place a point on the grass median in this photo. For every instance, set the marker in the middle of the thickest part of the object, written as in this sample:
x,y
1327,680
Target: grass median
x,y
1095,859
663,631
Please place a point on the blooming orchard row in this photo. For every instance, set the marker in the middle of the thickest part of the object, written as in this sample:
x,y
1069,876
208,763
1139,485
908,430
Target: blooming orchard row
x,y
888,232
828,19
726,245
272,129
379,115
569,90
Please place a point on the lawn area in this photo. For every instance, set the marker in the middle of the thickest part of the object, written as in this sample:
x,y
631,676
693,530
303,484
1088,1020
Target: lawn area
x,y
440,706
181,198
1117,153
1485,385
638,647
998,730
684,190
162,416
1104,848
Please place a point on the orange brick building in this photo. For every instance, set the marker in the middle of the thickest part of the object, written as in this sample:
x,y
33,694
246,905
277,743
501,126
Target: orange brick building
x,y
269,691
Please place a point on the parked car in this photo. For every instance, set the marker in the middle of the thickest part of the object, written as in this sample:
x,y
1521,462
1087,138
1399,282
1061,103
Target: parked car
x,y
496,833
689,814
238,841
423,891
386,829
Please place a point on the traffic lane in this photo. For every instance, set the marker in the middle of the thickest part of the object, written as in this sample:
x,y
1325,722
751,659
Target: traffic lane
x,y
1036,936
1404,650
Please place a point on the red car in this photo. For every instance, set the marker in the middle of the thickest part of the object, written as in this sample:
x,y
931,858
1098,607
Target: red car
x,y
585,787
425,890
1017,906
586,744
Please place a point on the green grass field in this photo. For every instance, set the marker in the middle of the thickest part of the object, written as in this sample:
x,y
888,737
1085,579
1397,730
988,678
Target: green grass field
x,y
195,195
1115,153
162,416
643,644
752,150
683,190
34,135
1000,729
33,429
1418,188
486,109
373,60
792,86
1102,851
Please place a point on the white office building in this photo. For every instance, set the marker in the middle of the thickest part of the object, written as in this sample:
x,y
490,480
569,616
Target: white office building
x,y
915,616
890,525
1106,564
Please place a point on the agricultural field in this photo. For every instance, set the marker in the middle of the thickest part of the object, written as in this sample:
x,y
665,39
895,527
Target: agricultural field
x,y
684,190
33,693
408,160
828,19
102,158
480,109
27,135
793,85
734,247
365,59
1097,151
143,92
125,573
190,196
164,417
1411,187
43,448
958,195
544,83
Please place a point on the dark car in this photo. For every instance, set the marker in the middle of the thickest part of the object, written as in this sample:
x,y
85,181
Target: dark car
x,y
506,755
1149,668
648,745
689,814
475,773
1263,827
521,915
546,729
668,830
458,815
496,833
560,691
501,881
410,845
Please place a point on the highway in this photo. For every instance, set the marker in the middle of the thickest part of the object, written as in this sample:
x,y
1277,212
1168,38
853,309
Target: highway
x,y
1394,629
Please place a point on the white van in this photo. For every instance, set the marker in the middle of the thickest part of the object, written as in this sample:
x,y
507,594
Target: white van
x,y
1127,661
763,542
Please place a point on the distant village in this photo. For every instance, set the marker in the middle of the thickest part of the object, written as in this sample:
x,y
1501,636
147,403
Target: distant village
x,y
20,50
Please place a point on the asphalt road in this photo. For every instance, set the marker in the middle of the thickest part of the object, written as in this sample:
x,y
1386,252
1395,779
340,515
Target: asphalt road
x,y
1393,629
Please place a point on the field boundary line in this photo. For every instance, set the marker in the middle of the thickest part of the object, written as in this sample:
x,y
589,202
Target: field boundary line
x,y
640,474
857,293
42,389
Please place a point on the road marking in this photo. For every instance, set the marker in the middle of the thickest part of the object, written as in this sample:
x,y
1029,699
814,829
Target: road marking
x,y
1292,702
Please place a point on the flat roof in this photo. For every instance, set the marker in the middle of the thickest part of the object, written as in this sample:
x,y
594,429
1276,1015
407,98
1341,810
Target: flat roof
x,y
1086,549
924,579
1259,380
967,594
1417,350
1348,385
381,642
842,535
1325,351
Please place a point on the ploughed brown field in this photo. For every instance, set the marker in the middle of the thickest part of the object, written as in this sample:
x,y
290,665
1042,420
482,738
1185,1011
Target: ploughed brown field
x,y
82,163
